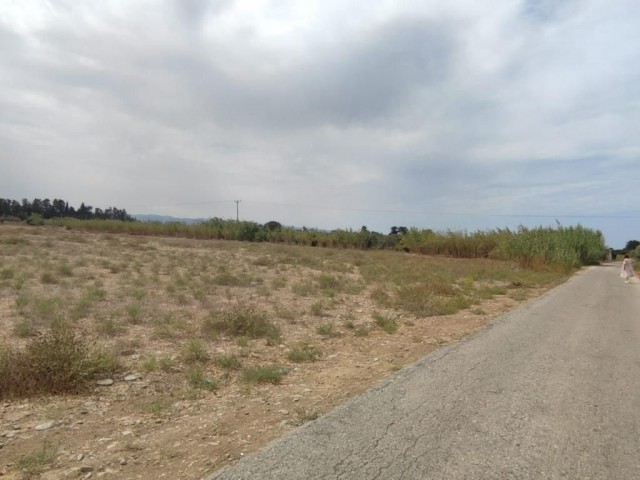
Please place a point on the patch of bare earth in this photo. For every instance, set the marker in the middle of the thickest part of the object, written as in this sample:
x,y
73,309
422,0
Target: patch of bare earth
x,y
147,424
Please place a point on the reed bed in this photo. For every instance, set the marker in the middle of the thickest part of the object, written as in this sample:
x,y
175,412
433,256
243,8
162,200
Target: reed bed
x,y
562,248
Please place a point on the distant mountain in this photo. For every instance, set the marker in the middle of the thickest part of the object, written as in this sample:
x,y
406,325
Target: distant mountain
x,y
166,218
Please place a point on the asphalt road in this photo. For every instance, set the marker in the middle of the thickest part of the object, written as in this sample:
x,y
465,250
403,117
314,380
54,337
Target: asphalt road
x,y
548,391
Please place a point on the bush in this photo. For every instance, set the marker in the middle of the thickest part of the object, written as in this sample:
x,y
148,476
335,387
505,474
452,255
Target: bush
x,y
241,321
35,219
55,362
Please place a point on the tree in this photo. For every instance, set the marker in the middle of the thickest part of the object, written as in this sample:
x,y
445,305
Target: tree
x,y
631,245
272,226
85,211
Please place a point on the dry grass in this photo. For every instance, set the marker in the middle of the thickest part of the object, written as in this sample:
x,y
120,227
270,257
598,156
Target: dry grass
x,y
192,295
226,321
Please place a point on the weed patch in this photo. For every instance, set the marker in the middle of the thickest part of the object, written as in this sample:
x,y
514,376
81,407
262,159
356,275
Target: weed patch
x,y
197,379
264,374
56,362
387,324
228,362
304,353
241,321
32,464
194,351
327,330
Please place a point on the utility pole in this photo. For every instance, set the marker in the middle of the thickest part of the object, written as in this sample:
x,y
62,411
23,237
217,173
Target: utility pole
x,y
237,210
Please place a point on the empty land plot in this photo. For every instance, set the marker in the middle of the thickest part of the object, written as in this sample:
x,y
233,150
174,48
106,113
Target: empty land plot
x,y
216,347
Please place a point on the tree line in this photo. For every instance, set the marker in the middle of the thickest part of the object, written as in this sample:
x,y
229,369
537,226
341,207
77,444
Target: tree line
x,y
57,208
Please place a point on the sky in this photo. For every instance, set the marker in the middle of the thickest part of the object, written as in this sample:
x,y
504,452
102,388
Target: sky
x,y
462,115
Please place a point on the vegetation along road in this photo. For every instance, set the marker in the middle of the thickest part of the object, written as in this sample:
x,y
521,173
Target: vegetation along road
x,y
550,390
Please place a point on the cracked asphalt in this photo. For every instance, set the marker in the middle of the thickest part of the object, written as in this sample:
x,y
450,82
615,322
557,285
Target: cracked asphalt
x,y
548,391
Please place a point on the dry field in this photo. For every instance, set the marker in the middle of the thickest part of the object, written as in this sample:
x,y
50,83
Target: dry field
x,y
223,346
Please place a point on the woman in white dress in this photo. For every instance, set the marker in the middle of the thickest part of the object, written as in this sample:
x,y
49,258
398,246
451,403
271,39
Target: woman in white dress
x,y
627,269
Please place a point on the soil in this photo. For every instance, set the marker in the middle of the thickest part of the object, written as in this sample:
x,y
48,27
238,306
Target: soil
x,y
146,425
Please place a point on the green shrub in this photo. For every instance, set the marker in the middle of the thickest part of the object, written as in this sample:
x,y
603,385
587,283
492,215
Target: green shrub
x,y
35,220
327,330
149,364
194,351
274,335
304,353
240,321
317,309
228,362
264,374
387,324
134,313
197,379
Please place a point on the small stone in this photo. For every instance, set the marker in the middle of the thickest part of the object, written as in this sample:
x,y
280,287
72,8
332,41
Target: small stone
x,y
46,425
105,383
87,468
130,378
80,457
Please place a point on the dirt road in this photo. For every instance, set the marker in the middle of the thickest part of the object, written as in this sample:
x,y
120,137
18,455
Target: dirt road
x,y
548,391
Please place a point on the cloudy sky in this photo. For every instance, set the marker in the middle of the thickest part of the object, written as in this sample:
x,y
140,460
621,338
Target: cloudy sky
x,y
462,115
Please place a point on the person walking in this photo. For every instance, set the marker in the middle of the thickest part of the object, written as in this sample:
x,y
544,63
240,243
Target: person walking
x,y
627,269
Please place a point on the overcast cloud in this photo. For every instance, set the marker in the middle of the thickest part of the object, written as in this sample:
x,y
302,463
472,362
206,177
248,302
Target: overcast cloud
x,y
460,115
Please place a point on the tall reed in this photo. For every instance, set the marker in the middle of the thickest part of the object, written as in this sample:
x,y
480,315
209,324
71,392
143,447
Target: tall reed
x,y
563,248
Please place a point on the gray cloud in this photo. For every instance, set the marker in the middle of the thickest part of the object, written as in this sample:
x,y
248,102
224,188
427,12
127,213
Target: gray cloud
x,y
426,114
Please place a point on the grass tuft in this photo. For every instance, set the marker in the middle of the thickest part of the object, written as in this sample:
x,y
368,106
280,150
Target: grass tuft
x,y
32,464
304,353
241,321
387,324
264,374
228,362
